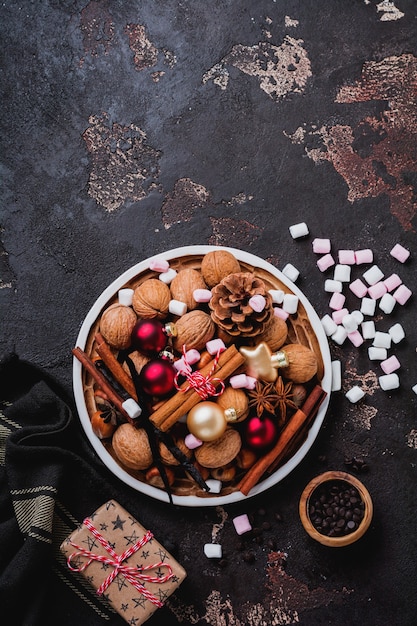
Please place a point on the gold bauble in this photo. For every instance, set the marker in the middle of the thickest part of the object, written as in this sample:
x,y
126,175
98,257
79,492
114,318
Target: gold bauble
x,y
206,421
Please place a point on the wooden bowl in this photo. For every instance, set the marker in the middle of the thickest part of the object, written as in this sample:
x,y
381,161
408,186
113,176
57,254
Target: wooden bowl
x,y
304,507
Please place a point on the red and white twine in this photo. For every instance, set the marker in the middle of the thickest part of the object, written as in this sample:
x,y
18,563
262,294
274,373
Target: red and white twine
x,y
134,574
205,386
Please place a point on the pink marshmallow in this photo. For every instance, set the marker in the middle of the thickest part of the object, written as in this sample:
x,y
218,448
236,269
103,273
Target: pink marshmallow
x,y
347,257
159,265
392,282
202,295
192,356
321,246
338,315
363,256
390,365
377,291
215,345
337,301
356,338
400,253
278,312
239,381
242,524
358,288
325,262
251,382
192,442
402,294
257,303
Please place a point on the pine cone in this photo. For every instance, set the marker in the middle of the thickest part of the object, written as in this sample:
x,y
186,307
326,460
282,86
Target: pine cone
x,y
230,308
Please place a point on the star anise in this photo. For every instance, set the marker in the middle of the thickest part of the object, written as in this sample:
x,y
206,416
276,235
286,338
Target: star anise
x,y
263,398
284,397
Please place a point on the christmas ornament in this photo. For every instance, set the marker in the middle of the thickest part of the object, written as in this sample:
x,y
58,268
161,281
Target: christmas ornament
x,y
149,336
259,364
298,361
260,433
206,421
157,377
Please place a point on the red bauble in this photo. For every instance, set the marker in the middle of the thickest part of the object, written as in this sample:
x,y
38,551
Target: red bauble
x,y
149,337
260,433
157,377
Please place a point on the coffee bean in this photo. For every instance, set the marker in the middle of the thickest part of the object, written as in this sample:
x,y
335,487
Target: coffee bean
x,y
336,508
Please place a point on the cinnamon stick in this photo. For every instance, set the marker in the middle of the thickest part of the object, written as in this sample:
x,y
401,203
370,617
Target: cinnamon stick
x,y
113,397
179,404
290,430
115,367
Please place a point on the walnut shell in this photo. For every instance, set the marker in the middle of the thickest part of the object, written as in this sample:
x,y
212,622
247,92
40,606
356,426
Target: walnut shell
x,y
166,455
220,452
235,399
131,446
302,363
151,299
218,264
116,325
184,284
194,330
275,333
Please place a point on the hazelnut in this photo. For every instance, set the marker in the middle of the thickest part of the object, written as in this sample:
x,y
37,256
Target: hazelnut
x,y
246,458
131,446
226,473
151,299
194,330
116,325
184,284
234,399
221,451
218,264
153,477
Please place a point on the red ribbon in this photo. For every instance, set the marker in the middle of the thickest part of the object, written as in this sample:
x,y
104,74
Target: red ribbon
x,y
203,385
133,574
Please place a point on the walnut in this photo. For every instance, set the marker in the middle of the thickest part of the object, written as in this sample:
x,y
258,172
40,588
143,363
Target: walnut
x,y
116,325
218,264
151,299
275,333
194,330
302,363
132,448
220,452
184,284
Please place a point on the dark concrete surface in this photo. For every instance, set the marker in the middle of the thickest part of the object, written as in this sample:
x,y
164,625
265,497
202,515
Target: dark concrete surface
x,y
129,128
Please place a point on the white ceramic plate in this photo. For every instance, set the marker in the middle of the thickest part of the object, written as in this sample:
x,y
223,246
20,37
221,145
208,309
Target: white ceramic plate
x,y
105,456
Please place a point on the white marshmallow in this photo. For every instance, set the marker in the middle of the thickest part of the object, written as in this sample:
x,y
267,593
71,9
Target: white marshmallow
x,y
277,295
349,323
373,275
125,296
333,286
342,273
389,381
368,329
387,303
291,272
382,340
176,307
340,335
290,303
377,354
132,408
329,325
168,276
299,230
355,394
213,550
368,306
397,333
358,316
336,375
215,486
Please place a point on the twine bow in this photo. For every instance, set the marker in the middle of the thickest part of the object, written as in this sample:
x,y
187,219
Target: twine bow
x,y
133,574
203,385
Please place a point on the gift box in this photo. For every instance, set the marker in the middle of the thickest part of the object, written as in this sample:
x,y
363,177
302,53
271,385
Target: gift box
x,y
124,562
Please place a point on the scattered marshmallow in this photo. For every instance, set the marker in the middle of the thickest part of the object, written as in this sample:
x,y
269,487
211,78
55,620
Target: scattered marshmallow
x,y
355,394
168,276
337,301
402,294
373,275
290,303
257,302
363,256
125,296
132,408
202,295
176,307
392,282
358,316
390,365
347,257
213,550
368,306
214,346
350,323
329,325
298,230
337,316
400,253
192,442
242,381
389,381
377,354
387,303
358,288
159,265
342,273
278,312
397,333
321,246
277,295
251,382
336,375
356,338
325,262
382,340
333,286
377,291
414,388
215,486
368,329
340,335
242,524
